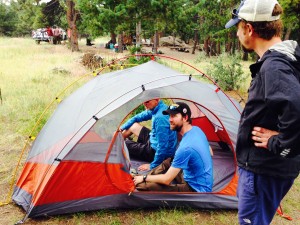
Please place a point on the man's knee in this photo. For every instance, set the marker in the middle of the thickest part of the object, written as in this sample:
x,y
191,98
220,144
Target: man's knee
x,y
147,186
136,129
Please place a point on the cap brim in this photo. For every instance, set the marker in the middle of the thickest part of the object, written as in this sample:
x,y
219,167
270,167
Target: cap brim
x,y
169,111
232,22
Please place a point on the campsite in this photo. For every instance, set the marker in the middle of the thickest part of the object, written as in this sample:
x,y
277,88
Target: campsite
x,y
28,86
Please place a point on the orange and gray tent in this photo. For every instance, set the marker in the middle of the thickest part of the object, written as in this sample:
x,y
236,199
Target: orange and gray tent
x,y
79,161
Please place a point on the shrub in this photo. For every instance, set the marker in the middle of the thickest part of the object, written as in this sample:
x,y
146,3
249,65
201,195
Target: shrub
x,y
228,73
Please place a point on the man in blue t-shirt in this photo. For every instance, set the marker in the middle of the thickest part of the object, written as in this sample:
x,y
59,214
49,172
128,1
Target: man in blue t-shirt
x,y
193,158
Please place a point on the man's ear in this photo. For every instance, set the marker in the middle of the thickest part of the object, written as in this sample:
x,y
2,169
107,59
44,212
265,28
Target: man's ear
x,y
186,117
250,29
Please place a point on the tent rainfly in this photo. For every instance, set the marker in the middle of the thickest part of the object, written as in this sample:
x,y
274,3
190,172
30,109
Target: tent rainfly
x,y
79,161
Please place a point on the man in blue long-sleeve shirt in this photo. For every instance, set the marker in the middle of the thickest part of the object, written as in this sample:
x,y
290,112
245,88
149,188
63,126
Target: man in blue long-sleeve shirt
x,y
154,145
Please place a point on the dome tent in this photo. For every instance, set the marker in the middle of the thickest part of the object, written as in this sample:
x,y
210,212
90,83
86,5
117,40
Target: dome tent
x,y
79,161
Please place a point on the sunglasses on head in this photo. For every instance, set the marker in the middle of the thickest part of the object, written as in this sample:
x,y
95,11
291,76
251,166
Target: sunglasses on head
x,y
234,14
173,106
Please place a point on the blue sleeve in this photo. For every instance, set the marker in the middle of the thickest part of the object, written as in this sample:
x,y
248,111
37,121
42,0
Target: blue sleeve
x,y
162,134
181,158
143,116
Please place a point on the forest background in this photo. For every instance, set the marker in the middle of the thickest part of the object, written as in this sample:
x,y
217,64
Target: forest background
x,y
199,20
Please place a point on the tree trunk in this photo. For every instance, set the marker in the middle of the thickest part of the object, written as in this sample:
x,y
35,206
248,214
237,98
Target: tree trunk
x,y
228,45
113,37
174,38
195,40
155,42
120,42
206,45
138,34
287,34
72,15
213,48
218,48
233,46
245,56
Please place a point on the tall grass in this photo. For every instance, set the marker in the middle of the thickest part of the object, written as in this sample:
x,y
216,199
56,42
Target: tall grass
x,y
31,76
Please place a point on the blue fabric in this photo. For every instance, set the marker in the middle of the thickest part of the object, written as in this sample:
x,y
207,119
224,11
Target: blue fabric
x,y
162,139
259,197
193,157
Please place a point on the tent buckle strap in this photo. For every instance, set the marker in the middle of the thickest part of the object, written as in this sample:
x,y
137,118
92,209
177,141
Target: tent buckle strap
x,y
96,118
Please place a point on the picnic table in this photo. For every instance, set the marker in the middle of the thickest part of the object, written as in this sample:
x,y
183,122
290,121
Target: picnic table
x,y
180,48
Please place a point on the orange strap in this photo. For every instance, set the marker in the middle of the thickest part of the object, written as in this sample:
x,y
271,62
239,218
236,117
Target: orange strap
x,y
280,213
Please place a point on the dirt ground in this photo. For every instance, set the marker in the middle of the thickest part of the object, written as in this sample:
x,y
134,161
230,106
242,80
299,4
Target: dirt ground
x,y
99,48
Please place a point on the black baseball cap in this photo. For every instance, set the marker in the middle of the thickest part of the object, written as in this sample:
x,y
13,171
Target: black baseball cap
x,y
178,107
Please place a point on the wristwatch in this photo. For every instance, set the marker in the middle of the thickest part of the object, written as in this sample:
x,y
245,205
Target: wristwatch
x,y
144,178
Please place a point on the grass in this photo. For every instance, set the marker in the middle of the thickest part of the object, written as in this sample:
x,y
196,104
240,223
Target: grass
x,y
31,77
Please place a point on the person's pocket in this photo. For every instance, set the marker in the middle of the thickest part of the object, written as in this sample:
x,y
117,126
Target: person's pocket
x,y
247,180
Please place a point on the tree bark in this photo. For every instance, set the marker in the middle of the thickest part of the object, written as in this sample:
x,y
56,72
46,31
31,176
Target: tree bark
x,y
207,45
228,45
120,43
245,56
218,48
155,42
213,48
138,33
287,34
72,16
113,37
195,40
233,45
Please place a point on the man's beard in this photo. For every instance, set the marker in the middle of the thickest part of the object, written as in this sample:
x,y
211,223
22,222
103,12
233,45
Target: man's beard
x,y
246,49
176,128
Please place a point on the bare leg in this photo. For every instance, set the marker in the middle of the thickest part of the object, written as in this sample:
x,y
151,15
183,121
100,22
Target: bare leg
x,y
134,129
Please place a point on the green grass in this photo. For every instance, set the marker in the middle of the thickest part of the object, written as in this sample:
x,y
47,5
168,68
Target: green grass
x,y
29,81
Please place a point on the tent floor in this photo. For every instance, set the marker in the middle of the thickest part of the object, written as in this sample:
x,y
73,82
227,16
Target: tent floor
x,y
223,165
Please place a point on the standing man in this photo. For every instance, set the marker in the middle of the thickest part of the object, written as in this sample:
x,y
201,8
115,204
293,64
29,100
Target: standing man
x,y
268,143
154,145
193,157
50,34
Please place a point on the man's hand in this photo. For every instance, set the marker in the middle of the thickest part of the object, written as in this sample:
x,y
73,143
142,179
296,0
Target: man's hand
x,y
261,136
144,167
137,180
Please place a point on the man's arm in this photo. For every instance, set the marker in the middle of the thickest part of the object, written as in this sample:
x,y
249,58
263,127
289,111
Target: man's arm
x,y
142,116
165,179
282,96
162,132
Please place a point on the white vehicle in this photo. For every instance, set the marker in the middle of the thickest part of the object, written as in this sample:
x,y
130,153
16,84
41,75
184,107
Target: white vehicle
x,y
40,35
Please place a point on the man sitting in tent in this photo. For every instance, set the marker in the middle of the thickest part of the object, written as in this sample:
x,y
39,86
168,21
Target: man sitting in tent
x,y
152,146
193,157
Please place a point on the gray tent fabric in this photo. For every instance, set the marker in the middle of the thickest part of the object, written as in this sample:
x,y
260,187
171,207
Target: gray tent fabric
x,y
82,128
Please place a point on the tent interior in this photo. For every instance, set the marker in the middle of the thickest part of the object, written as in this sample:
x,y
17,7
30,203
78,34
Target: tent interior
x,y
224,164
